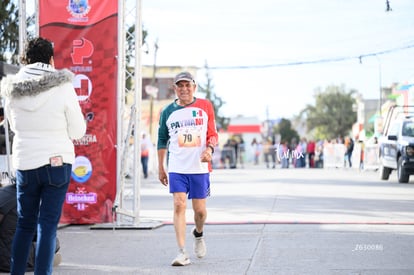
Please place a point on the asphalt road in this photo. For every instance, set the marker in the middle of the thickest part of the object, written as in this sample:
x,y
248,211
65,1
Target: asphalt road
x,y
294,196
261,221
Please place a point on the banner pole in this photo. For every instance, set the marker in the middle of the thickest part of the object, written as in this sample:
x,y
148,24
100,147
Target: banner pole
x,y
36,12
134,125
120,177
22,26
138,103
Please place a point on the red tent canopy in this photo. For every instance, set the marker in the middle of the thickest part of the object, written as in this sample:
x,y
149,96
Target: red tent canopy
x,y
241,129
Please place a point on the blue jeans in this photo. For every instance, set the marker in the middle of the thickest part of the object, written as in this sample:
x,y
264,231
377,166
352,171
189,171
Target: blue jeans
x,y
40,196
144,161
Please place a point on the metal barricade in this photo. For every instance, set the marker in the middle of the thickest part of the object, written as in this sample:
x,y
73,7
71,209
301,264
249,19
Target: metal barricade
x,y
228,157
333,155
371,157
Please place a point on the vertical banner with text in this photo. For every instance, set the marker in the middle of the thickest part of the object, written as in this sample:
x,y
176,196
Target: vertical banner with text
x,y
85,37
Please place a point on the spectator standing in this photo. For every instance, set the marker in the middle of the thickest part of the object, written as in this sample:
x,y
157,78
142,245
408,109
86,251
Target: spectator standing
x,y
44,113
267,152
228,155
303,145
311,153
349,147
242,151
319,155
362,155
146,147
298,156
256,150
8,220
3,149
285,155
273,149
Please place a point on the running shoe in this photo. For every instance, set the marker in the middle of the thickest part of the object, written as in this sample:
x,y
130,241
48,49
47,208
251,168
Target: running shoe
x,y
57,259
199,245
181,259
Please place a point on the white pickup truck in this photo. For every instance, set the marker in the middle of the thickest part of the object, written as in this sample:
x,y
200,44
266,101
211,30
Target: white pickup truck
x,y
396,147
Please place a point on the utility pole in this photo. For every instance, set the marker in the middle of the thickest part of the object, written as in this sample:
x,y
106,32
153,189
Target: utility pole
x,y
380,84
379,80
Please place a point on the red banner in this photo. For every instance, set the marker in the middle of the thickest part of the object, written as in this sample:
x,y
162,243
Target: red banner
x,y
84,33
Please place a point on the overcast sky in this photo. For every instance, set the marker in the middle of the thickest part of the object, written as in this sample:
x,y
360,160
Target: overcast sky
x,y
271,42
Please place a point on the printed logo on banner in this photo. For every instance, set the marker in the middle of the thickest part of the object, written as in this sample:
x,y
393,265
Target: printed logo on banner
x,y
80,199
81,172
87,139
78,9
83,86
82,48
81,169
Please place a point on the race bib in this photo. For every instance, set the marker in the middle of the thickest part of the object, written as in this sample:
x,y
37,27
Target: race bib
x,y
189,139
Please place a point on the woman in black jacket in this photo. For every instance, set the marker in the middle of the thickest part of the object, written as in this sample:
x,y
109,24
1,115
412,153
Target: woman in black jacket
x,y
8,219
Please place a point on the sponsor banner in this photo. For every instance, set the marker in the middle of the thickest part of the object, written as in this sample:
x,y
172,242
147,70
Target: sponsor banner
x,y
76,12
84,34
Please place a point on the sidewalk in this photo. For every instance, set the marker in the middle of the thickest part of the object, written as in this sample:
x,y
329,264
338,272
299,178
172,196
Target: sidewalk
x,y
242,249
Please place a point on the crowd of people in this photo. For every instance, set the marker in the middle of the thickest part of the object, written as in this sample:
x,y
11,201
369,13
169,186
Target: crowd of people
x,y
235,153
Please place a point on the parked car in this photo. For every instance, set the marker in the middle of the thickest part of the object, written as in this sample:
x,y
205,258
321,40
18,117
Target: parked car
x,y
396,150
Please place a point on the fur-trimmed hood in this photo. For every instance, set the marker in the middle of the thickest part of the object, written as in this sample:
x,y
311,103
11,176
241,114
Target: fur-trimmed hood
x,y
29,87
43,111
34,79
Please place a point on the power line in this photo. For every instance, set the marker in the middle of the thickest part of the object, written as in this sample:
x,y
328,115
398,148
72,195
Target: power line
x,y
311,62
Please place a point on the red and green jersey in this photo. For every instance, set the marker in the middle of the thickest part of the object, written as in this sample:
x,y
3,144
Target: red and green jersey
x,y
186,131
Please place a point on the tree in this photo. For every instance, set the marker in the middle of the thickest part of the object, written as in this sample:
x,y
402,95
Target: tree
x,y
333,114
284,129
9,30
221,121
130,42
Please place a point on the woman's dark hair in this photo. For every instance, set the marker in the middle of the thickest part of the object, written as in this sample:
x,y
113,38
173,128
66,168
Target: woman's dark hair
x,y
38,50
